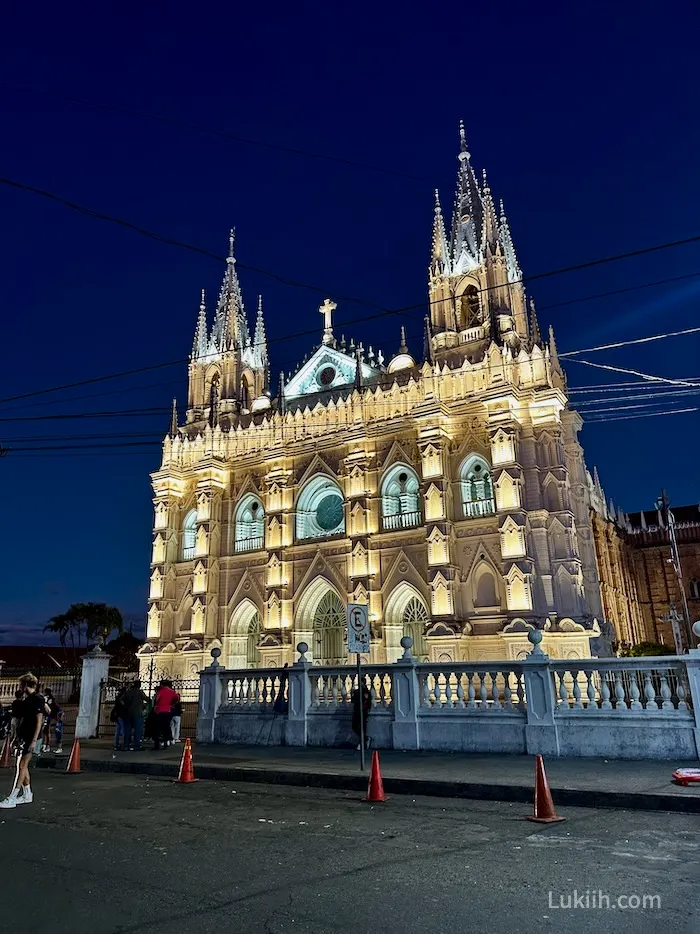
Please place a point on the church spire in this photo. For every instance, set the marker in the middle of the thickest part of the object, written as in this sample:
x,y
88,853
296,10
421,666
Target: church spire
x,y
553,352
230,328
260,339
535,335
173,420
467,218
490,233
514,273
428,341
439,259
199,345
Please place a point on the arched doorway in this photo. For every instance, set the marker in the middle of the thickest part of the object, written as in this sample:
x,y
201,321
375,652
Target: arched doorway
x,y
405,614
320,621
241,644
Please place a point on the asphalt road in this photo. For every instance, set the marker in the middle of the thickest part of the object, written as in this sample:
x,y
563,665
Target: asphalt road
x,y
123,854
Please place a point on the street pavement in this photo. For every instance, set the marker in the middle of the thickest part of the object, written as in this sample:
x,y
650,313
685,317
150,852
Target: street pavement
x,y
117,853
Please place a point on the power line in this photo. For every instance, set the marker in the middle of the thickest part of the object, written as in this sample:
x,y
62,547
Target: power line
x,y
638,340
221,134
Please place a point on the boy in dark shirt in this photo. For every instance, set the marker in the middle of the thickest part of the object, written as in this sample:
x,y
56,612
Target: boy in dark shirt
x,y
31,710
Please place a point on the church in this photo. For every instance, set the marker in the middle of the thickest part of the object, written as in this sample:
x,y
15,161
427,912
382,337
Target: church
x,y
447,493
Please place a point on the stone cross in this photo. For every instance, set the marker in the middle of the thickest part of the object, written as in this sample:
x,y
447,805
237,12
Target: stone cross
x,y
327,309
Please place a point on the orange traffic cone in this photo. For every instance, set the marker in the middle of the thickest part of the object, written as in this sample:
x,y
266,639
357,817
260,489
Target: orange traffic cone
x,y
6,759
186,773
375,788
544,812
73,767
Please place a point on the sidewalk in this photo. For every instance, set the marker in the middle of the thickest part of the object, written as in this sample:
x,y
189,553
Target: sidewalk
x,y
631,784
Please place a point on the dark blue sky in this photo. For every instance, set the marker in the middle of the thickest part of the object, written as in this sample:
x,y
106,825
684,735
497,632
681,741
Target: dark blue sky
x,y
586,119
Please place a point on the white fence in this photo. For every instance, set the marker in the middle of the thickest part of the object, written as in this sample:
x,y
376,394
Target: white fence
x,y
617,708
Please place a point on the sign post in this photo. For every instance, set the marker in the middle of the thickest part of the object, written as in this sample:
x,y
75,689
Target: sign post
x,y
359,642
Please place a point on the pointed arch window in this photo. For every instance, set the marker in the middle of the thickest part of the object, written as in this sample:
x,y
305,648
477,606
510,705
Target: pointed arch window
x,y
189,535
470,308
329,631
415,618
249,524
252,643
477,488
400,500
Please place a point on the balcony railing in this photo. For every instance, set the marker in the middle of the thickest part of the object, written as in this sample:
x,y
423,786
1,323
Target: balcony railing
x,y
188,552
401,520
249,544
479,507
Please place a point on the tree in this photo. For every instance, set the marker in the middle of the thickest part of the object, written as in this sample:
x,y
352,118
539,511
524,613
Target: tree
x,y
88,622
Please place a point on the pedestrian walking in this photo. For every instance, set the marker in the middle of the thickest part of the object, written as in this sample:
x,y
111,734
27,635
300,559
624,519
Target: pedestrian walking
x,y
176,719
361,706
163,708
30,721
134,702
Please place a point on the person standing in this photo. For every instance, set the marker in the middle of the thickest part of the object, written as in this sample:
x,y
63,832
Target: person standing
x,y
55,721
134,702
361,706
16,710
176,720
30,722
119,717
163,707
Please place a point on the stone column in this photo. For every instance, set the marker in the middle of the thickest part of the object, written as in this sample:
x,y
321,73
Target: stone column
x,y
299,699
209,699
541,734
95,669
405,693
692,664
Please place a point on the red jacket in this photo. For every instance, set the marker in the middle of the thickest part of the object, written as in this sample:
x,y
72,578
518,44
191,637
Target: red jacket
x,y
164,700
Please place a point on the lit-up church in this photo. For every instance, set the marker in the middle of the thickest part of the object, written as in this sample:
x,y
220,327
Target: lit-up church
x,y
449,492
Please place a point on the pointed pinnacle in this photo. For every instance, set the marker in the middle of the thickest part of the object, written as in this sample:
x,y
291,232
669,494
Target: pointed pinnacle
x,y
535,335
463,139
231,243
203,299
173,420
485,180
404,347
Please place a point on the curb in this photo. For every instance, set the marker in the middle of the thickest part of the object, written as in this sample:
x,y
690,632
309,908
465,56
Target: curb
x,y
478,791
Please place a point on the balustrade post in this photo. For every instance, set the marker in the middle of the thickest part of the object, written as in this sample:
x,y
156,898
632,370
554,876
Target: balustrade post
x,y
405,693
692,665
541,734
299,699
209,699
95,671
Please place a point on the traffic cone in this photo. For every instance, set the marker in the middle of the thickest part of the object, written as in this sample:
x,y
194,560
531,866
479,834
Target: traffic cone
x,y
73,767
544,812
6,758
375,788
186,773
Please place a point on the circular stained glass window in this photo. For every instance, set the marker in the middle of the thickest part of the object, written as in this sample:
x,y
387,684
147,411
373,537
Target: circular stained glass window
x,y
329,512
326,376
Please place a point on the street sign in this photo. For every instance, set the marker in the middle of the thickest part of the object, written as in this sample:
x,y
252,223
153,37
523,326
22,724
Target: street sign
x,y
358,628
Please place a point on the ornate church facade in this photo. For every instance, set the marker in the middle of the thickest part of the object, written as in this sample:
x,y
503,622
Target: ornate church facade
x,y
449,494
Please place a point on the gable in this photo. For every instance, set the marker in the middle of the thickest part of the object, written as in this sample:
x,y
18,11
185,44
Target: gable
x,y
327,368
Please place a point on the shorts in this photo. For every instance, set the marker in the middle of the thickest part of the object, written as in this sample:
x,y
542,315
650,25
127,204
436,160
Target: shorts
x,y
23,747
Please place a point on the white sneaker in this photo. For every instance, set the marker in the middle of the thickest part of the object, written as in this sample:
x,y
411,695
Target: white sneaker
x,y
26,797
58,751
45,748
9,802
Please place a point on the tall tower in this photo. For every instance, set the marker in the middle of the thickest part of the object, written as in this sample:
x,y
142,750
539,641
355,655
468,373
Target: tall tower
x,y
475,283
228,370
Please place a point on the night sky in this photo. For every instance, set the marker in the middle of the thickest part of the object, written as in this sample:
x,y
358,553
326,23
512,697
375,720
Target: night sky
x,y
586,119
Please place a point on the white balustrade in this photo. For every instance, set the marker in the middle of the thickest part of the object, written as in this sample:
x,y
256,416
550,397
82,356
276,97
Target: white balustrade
x,y
332,687
485,688
623,685
253,688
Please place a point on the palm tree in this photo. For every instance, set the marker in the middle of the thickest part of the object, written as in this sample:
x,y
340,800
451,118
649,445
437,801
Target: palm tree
x,y
94,621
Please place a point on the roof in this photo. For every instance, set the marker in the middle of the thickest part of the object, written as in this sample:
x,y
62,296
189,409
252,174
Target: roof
x,y
42,657
685,514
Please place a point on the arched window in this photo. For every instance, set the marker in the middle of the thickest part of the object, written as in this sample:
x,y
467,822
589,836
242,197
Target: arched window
x,y
252,650
320,510
189,535
400,502
415,618
249,524
470,308
694,589
329,631
477,487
